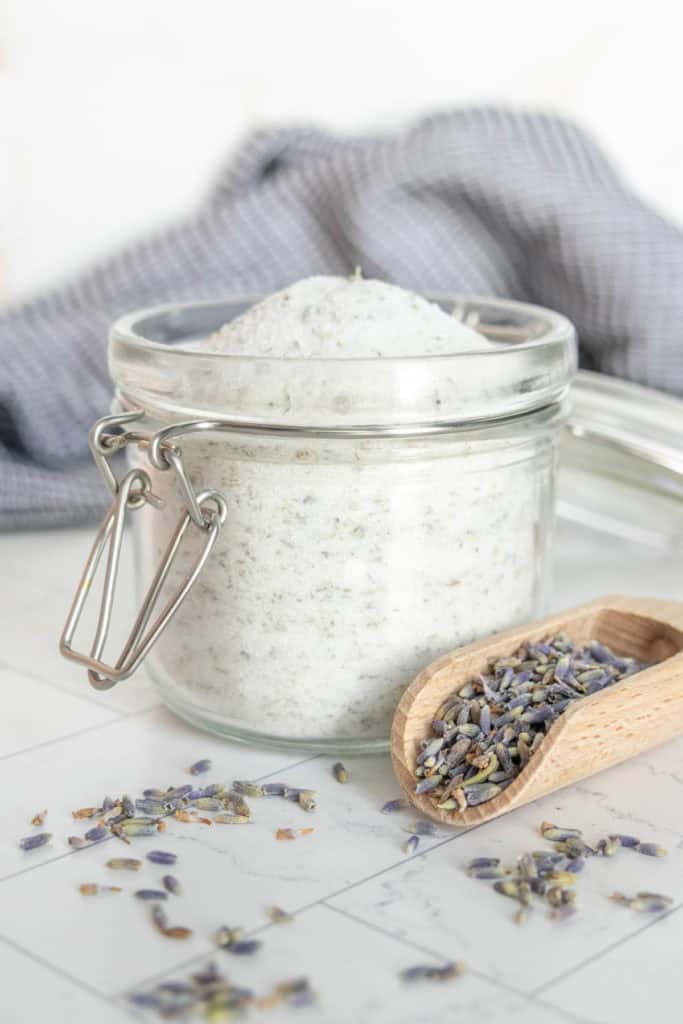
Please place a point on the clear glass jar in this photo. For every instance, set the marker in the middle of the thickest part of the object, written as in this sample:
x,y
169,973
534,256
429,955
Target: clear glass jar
x,y
380,512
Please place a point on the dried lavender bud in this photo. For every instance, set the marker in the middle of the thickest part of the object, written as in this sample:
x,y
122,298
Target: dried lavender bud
x,y
339,772
154,808
482,862
200,767
137,827
644,902
392,806
557,834
127,806
429,972
485,872
161,857
629,841
171,885
272,789
279,916
124,864
35,841
215,789
150,894
505,713
208,803
92,889
306,799
95,835
252,789
411,845
651,850
179,792
245,947
479,794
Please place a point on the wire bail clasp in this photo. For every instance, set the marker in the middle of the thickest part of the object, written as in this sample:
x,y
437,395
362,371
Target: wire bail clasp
x,y
206,510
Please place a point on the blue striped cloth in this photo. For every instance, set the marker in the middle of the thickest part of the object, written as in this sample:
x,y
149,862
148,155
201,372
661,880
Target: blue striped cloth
x,y
477,201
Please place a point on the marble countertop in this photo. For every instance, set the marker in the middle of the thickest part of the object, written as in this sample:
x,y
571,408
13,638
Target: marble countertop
x,y
363,909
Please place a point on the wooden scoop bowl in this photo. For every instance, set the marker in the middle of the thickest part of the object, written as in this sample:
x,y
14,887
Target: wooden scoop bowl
x,y
593,733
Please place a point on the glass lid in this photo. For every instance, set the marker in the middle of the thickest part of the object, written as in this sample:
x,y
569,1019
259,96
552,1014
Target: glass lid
x,y
621,462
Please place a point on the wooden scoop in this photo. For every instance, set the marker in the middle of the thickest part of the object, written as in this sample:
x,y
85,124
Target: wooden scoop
x,y
593,733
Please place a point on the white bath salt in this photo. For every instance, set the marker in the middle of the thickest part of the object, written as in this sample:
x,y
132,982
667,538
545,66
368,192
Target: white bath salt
x,y
343,318
345,565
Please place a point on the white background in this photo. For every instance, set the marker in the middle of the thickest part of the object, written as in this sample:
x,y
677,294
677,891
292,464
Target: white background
x,y
115,116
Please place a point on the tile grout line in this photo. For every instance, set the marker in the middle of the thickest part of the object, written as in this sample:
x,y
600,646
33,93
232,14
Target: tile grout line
x,y
34,677
604,952
54,969
408,943
79,732
315,903
440,956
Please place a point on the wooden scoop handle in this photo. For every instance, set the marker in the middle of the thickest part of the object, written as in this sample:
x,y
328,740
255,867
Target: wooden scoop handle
x,y
594,733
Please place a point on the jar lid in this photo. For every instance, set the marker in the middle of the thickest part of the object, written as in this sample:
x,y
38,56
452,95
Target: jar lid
x,y
621,461
156,364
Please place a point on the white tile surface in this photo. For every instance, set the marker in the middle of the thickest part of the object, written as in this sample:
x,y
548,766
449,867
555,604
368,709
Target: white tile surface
x,y
32,992
40,573
636,981
127,755
355,972
37,713
363,909
409,901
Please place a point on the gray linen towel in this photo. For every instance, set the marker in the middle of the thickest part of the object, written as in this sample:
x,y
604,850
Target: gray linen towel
x,y
478,201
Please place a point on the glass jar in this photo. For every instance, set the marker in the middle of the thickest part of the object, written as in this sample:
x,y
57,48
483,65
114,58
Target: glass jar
x,y
376,513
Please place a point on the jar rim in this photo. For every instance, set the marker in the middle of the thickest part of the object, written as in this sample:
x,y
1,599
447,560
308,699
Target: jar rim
x,y
127,328
532,368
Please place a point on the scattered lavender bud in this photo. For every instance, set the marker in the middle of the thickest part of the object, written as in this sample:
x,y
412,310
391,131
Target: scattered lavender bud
x,y
482,862
429,972
35,841
411,845
215,789
306,799
252,789
161,857
178,792
171,885
339,772
92,889
150,894
245,947
279,916
629,841
392,806
651,850
208,803
645,902
200,767
272,789
96,834
124,864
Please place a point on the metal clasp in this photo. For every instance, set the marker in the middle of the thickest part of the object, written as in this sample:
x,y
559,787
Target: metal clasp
x,y
207,511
